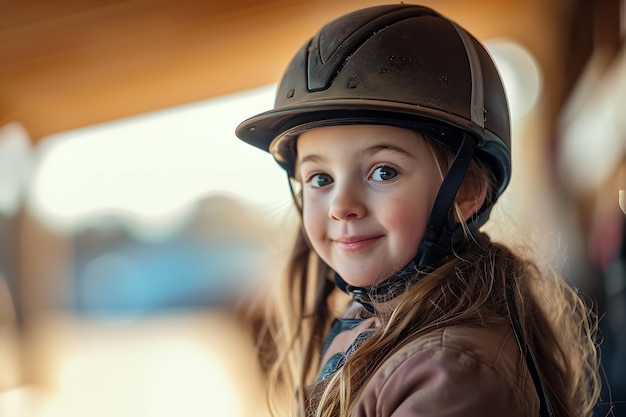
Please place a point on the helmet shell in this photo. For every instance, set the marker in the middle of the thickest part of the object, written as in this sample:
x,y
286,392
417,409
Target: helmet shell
x,y
402,65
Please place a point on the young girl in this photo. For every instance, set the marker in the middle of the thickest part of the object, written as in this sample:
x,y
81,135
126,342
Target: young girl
x,y
393,127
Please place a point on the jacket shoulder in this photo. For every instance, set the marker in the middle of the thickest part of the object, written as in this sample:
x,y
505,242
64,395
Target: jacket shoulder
x,y
454,371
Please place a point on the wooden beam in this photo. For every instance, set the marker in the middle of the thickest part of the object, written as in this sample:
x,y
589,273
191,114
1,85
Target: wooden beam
x,y
69,63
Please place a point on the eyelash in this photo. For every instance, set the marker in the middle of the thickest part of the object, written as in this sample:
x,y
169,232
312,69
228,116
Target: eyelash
x,y
310,179
384,165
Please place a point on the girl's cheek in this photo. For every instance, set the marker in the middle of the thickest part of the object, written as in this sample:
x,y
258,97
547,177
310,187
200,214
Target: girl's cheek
x,y
396,212
310,219
400,216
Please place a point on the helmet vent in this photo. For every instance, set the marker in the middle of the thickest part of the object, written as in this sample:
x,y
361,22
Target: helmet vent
x,y
478,111
339,39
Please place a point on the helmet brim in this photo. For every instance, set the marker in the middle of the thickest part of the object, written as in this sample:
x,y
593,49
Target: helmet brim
x,y
270,130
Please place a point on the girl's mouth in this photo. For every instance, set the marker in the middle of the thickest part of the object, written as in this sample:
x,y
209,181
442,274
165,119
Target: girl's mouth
x,y
356,243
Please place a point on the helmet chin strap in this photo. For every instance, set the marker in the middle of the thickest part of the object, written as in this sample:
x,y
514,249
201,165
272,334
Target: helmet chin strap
x,y
442,233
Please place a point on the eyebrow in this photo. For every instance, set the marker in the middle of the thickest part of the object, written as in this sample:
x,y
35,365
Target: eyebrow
x,y
370,150
311,158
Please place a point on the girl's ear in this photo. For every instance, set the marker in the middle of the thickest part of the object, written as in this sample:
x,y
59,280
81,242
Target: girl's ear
x,y
470,198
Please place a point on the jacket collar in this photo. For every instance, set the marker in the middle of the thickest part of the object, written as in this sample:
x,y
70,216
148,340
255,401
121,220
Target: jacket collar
x,y
374,297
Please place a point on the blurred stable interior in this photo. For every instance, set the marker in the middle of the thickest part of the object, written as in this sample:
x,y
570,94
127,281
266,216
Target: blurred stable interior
x,y
134,303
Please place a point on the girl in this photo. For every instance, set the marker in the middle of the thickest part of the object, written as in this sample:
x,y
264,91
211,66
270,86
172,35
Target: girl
x,y
393,127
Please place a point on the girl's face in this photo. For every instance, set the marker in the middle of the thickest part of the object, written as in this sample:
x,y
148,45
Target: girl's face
x,y
367,195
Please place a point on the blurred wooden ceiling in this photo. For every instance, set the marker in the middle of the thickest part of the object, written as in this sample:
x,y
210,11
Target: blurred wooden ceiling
x,y
65,64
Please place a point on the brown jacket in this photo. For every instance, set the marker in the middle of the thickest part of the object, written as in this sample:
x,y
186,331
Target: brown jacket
x,y
459,371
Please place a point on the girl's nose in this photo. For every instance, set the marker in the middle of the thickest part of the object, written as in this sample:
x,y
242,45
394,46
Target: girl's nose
x,y
347,203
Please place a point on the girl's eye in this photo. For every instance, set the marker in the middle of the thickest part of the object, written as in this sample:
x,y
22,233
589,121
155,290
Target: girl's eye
x,y
320,180
384,173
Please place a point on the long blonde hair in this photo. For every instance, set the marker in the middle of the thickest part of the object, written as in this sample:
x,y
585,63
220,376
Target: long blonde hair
x,y
470,285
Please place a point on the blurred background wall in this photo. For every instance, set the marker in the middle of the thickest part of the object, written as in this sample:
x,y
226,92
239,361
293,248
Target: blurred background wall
x,y
135,230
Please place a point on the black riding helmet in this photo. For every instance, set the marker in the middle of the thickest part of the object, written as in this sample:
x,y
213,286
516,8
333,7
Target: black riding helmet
x,y
401,65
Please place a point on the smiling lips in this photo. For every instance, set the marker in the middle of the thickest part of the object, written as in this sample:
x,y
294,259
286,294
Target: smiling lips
x,y
356,243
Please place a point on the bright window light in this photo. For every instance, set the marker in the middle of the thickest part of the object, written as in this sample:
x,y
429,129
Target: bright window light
x,y
152,168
